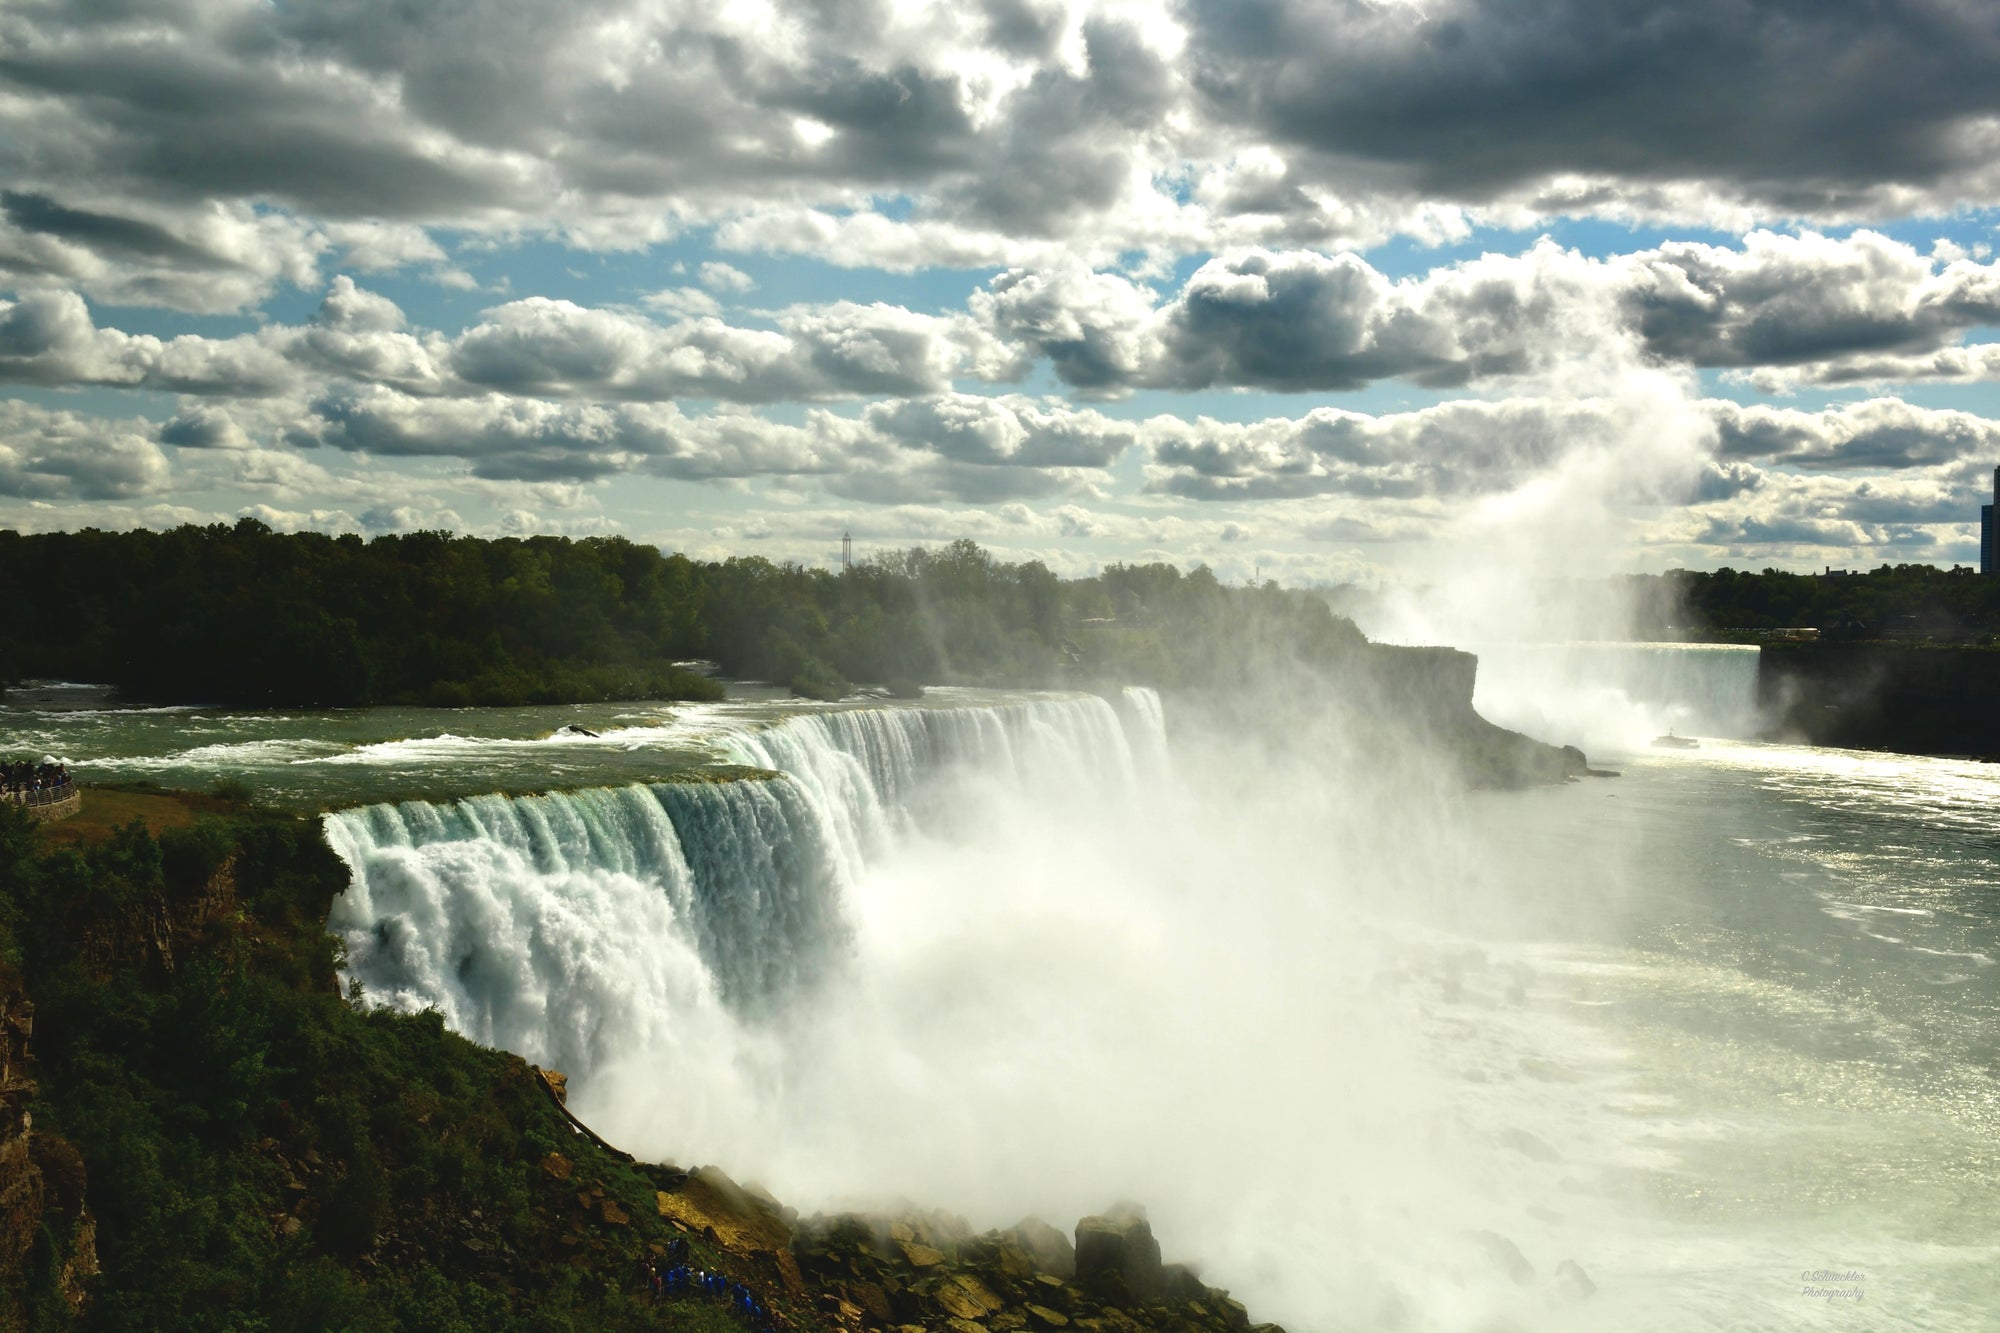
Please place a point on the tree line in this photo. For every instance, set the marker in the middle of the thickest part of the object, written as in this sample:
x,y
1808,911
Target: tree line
x,y
1903,601
240,614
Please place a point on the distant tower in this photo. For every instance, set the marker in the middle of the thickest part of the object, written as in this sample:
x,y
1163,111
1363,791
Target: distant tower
x,y
1989,552
847,539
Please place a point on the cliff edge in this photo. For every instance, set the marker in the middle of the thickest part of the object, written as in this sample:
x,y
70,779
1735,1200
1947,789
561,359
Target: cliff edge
x,y
261,1151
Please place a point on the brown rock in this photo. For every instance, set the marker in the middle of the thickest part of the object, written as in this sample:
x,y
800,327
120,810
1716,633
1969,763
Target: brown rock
x,y
1506,1256
980,1291
1573,1282
710,1200
614,1215
1118,1258
81,1266
1052,1318
558,1083
1014,1261
870,1297
1181,1284
967,1297
956,1302
1048,1247
921,1256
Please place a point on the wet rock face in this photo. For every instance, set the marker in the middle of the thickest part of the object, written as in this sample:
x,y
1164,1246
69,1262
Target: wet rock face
x,y
1049,1248
1118,1257
919,1272
42,1179
709,1203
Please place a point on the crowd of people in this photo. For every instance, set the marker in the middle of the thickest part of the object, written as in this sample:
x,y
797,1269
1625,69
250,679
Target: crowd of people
x,y
672,1275
30,783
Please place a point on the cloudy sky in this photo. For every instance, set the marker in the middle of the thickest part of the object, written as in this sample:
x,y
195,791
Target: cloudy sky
x,y
1321,288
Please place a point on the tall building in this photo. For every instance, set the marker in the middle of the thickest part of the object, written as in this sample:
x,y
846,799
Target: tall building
x,y
1989,552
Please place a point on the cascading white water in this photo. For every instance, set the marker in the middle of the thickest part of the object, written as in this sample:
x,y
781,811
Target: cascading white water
x,y
1618,695
872,773
492,910
551,925
1000,960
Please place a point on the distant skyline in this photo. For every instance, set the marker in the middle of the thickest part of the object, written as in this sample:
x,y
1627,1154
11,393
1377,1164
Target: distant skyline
x,y
1336,289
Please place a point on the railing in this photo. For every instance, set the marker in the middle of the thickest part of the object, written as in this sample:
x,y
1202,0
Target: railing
x,y
62,791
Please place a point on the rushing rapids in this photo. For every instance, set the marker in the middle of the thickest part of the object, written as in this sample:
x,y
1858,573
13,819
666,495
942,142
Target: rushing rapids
x,y
555,924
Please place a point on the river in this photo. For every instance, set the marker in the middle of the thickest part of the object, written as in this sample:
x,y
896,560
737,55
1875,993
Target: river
x,y
1714,1044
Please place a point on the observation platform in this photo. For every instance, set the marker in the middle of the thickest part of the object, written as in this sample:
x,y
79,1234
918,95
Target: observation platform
x,y
46,807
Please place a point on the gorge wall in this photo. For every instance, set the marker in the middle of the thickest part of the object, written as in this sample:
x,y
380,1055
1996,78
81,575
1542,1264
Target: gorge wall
x,y
1914,698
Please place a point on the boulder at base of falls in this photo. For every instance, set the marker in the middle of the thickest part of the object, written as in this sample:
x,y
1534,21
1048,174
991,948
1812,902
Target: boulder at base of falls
x,y
709,1203
1117,1256
1572,1282
856,1267
1049,1248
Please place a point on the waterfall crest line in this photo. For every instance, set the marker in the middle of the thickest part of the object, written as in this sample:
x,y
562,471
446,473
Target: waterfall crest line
x,y
569,925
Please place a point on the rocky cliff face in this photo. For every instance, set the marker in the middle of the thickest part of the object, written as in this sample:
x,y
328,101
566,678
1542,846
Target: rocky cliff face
x,y
1428,691
919,1270
1912,698
48,1246
48,1237
1387,702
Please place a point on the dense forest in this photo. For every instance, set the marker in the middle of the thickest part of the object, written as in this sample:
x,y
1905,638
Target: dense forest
x,y
1894,601
244,615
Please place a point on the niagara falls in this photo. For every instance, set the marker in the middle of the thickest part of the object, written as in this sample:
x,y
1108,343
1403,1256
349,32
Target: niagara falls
x,y
1368,1047
999,666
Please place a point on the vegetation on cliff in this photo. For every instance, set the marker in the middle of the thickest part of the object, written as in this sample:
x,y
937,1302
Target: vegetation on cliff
x,y
245,615
203,1133
245,1149
1915,601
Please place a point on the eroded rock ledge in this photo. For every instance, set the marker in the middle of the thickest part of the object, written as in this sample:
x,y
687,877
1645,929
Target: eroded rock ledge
x,y
917,1270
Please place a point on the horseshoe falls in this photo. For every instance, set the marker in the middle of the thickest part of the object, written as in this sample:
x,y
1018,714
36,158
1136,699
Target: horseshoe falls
x,y
1383,1054
1618,696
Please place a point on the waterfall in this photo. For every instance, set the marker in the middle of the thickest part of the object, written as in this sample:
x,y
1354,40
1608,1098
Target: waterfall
x,y
556,925
873,773
572,925
1618,695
